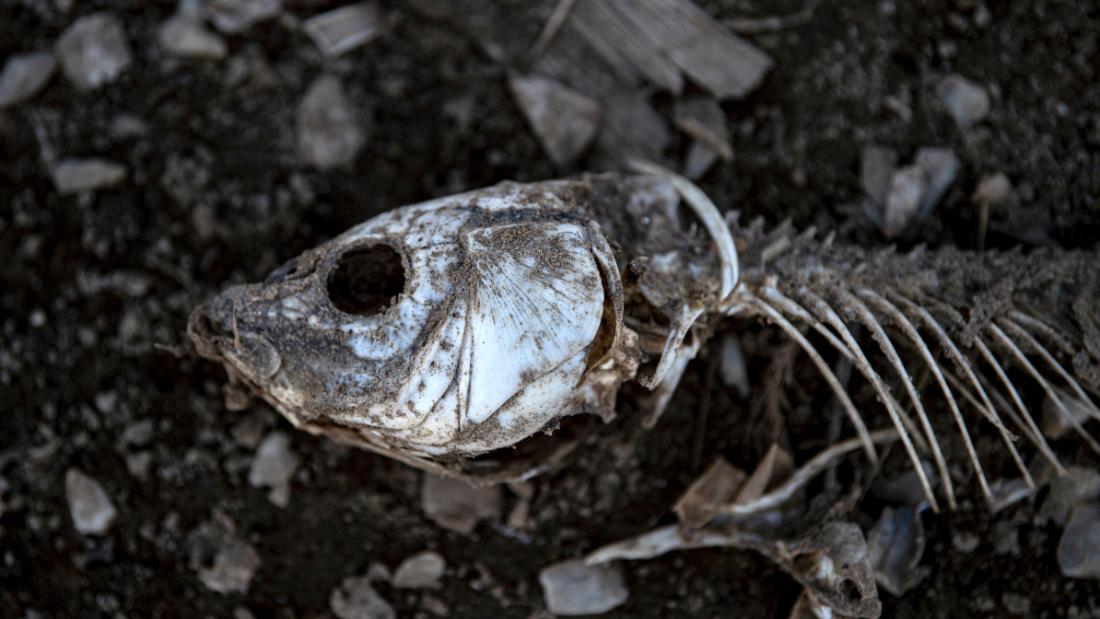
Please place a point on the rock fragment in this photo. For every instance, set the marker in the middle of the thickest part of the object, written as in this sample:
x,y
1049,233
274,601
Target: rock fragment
x,y
967,102
420,571
24,75
341,30
90,507
329,129
896,545
876,171
94,51
732,366
235,16
907,189
1055,420
456,505
355,598
234,566
187,37
273,467
1079,485
564,120
573,588
75,175
941,167
1079,548
703,120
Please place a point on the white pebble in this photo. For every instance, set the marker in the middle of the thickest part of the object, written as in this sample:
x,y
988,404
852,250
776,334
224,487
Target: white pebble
x,y
91,508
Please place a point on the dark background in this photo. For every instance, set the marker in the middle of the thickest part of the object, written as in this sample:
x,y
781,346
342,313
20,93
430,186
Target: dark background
x,y
215,195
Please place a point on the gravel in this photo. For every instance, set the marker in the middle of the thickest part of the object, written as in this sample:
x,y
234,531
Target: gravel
x,y
456,505
273,467
420,571
76,175
966,101
234,566
330,130
90,507
94,51
24,75
573,588
187,37
357,599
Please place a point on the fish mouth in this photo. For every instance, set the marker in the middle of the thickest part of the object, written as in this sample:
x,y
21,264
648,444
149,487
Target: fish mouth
x,y
216,334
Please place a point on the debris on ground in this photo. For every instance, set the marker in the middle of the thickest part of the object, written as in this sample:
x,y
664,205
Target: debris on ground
x,y
966,101
900,196
234,566
612,51
330,129
355,598
420,571
1079,485
236,16
903,200
564,120
456,505
575,588
1056,421
877,170
703,120
940,167
186,36
341,30
24,75
90,507
94,51
732,366
704,498
1079,548
1006,492
273,467
896,545
76,175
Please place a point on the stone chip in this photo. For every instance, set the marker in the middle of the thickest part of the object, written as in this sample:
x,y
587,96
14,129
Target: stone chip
x,y
94,51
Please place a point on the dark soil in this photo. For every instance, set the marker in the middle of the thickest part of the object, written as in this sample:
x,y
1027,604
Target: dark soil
x,y
96,291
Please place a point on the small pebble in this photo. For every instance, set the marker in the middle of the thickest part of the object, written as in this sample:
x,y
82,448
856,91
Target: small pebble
x,y
564,120
341,30
355,598
91,508
76,175
420,571
965,541
456,505
330,133
273,466
234,566
907,189
1016,603
24,75
235,16
188,37
94,51
1079,548
941,167
573,588
732,367
967,102
876,170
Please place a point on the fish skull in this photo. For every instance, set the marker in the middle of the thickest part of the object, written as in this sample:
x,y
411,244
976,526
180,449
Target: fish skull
x,y
436,331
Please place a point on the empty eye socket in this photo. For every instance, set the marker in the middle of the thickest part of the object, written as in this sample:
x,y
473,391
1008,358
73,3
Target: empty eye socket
x,y
366,280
